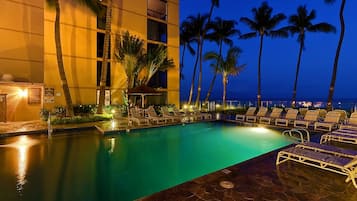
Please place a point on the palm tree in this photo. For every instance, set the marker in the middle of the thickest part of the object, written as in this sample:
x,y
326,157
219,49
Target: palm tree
x,y
56,4
300,24
197,26
155,60
214,3
129,50
103,75
226,66
263,24
222,30
185,41
337,55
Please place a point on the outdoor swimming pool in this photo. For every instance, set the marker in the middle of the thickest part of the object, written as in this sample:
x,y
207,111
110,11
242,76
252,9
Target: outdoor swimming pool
x,y
91,167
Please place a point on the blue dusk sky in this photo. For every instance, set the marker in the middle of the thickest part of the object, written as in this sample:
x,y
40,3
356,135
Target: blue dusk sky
x,y
279,56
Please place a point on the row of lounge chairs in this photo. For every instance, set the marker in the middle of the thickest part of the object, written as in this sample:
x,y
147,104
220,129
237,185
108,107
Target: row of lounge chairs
x,y
318,120
145,117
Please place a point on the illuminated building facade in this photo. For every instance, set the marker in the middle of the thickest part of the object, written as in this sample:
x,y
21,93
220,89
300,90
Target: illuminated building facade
x,y
29,77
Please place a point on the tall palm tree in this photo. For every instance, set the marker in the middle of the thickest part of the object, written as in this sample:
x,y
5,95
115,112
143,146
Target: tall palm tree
x,y
263,24
103,75
155,60
222,30
227,66
185,41
92,4
214,3
300,24
197,26
337,55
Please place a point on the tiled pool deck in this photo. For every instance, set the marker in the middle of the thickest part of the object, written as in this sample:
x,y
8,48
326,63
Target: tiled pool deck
x,y
258,179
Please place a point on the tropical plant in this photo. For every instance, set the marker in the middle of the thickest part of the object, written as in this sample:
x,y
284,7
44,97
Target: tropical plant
x,y
155,60
129,51
92,4
185,41
263,24
227,66
103,75
197,26
300,24
221,31
337,55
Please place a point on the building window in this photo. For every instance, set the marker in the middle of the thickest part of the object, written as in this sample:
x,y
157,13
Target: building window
x,y
101,17
157,31
157,9
99,72
100,45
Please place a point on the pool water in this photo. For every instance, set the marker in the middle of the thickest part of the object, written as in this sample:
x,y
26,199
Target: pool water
x,y
90,167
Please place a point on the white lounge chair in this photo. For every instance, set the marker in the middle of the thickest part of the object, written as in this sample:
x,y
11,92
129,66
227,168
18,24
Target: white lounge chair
x,y
339,136
154,118
331,121
201,115
290,116
261,113
324,148
341,165
166,113
275,113
137,118
249,112
310,117
351,122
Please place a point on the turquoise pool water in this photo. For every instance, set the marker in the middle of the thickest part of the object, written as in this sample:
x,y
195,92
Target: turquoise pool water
x,y
91,167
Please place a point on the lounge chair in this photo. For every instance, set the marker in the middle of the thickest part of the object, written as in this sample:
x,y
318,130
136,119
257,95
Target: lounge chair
x,y
291,115
154,118
186,117
324,148
201,115
320,159
331,121
166,113
261,113
275,113
351,122
310,117
249,112
339,136
136,117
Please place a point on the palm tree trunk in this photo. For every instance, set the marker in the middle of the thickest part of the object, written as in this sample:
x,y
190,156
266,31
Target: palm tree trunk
x,y
215,73
103,75
182,63
60,64
199,76
293,99
224,91
211,86
335,65
259,97
194,75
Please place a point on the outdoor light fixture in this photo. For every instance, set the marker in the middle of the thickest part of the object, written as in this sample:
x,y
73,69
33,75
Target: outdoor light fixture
x,y
22,93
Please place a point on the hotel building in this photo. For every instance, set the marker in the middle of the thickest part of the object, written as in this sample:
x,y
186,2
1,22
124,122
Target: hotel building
x,y
29,77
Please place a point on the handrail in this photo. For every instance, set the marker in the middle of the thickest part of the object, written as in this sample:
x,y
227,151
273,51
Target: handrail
x,y
300,131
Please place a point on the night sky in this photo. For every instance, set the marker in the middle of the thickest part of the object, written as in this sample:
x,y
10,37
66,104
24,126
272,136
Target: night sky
x,y
279,56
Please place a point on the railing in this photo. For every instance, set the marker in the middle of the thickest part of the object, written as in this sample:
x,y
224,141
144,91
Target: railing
x,y
348,105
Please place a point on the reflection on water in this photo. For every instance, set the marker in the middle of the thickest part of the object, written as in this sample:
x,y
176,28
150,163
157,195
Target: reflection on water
x,y
22,145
